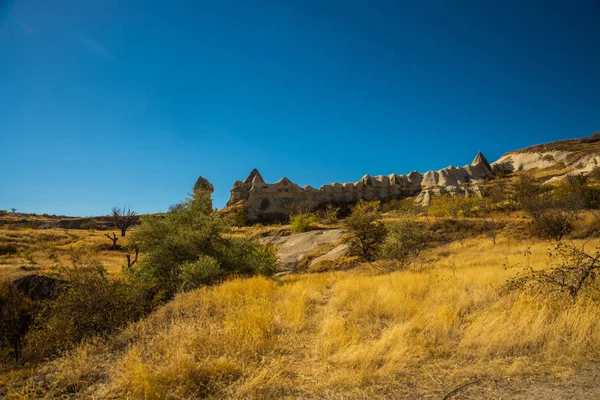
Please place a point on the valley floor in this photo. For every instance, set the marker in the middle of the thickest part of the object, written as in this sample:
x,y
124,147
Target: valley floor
x,y
443,329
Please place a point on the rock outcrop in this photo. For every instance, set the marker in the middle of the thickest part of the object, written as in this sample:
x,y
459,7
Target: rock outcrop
x,y
276,201
293,250
202,184
575,163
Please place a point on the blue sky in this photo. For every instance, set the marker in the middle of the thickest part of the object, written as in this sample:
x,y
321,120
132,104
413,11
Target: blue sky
x,y
110,103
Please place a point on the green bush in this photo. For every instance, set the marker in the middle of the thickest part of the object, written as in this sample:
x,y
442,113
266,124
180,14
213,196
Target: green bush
x,y
89,225
365,229
182,239
404,241
552,213
330,214
406,205
302,222
91,305
202,271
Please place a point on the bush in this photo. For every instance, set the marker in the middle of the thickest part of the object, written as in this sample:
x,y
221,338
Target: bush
x,y
175,248
200,272
89,225
404,241
406,205
15,317
456,206
366,231
302,222
90,305
330,214
575,273
551,217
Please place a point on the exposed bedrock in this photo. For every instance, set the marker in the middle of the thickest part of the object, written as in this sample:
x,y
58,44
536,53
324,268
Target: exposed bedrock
x,y
276,201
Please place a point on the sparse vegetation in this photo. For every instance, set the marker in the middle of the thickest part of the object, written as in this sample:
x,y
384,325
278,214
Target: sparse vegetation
x,y
574,272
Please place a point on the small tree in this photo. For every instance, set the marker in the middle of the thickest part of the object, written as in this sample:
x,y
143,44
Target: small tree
x,y
404,242
113,239
330,214
366,229
14,210
124,218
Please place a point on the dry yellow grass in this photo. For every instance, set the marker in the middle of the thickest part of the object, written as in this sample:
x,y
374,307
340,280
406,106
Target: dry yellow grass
x,y
64,244
409,334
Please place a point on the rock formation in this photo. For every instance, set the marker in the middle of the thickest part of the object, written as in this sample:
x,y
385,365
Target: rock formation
x,y
276,201
202,184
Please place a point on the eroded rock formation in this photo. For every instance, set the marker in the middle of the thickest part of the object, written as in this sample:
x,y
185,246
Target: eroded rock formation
x,y
276,201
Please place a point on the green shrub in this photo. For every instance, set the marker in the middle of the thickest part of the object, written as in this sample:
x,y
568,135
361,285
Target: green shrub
x,y
91,305
302,222
404,241
202,271
89,225
330,214
406,205
365,229
183,238
552,213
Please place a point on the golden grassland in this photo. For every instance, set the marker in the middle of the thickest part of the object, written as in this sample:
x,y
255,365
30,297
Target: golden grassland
x,y
418,333
40,245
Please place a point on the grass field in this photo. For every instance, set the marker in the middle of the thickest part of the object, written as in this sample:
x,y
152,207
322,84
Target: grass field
x,y
418,333
25,251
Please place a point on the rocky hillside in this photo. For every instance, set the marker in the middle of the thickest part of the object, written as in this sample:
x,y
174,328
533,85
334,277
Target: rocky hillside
x,y
577,156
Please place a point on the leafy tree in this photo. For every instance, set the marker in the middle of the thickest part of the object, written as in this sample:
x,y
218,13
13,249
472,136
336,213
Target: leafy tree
x,y
182,249
404,242
366,229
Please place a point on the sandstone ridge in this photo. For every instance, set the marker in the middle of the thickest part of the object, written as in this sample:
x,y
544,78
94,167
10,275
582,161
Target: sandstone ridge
x,y
276,201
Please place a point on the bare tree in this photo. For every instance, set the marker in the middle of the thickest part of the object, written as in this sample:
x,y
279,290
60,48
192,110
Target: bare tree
x,y
124,218
114,239
575,272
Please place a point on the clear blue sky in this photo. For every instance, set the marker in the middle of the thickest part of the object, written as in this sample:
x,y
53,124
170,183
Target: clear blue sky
x,y
106,103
